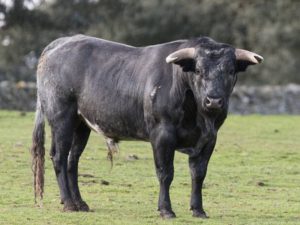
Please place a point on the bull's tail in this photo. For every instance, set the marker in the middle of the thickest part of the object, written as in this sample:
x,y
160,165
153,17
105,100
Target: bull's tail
x,y
38,153
113,148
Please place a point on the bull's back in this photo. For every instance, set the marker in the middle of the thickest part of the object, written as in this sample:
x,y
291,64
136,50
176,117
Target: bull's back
x,y
100,77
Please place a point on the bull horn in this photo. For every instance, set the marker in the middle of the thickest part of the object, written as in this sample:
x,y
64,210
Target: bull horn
x,y
245,55
185,53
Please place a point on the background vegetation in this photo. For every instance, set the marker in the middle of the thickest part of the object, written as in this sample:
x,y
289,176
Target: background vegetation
x,y
253,178
268,27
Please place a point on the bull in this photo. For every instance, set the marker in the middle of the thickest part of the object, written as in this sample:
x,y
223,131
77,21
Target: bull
x,y
174,95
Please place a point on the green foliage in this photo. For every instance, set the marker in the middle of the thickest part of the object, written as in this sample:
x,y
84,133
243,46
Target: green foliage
x,y
253,178
269,27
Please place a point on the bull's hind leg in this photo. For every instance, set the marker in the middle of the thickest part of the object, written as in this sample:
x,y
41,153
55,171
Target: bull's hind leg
x,y
80,138
63,124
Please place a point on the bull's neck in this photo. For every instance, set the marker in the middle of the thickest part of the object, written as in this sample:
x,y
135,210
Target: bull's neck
x,y
179,85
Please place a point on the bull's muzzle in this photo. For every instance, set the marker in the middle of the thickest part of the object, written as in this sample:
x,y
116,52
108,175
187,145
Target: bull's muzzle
x,y
213,103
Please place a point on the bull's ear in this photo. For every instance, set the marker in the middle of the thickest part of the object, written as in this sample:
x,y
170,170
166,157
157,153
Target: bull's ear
x,y
184,57
245,58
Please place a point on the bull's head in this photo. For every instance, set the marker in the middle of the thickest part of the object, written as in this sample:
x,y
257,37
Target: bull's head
x,y
212,69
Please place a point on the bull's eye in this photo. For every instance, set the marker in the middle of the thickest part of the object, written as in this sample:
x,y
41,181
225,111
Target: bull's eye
x,y
198,70
199,74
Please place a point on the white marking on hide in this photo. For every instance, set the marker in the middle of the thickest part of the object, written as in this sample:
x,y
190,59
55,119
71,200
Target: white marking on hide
x,y
154,91
94,127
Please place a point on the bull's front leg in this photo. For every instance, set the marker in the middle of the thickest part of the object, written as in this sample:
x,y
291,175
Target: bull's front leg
x,y
163,144
198,168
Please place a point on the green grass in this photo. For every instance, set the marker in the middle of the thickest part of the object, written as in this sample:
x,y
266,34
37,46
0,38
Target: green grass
x,y
253,178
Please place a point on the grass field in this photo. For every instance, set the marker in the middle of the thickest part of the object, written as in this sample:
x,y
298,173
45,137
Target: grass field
x,y
253,178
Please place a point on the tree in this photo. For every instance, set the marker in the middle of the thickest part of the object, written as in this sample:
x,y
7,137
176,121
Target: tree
x,y
269,27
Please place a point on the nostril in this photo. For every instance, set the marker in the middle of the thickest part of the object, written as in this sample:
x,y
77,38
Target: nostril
x,y
220,101
207,101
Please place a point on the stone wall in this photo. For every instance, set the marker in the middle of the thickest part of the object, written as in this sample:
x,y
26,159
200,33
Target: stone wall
x,y
244,100
266,99
17,96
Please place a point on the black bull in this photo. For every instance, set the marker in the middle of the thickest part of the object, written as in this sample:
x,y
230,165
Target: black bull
x,y
174,95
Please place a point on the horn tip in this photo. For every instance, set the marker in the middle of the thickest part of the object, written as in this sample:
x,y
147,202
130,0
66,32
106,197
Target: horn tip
x,y
170,59
259,58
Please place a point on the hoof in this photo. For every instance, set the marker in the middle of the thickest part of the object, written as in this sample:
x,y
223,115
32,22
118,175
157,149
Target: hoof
x,y
200,214
167,214
69,206
82,206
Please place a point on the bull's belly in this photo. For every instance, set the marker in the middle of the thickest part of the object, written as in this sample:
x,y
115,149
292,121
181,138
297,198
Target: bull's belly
x,y
115,127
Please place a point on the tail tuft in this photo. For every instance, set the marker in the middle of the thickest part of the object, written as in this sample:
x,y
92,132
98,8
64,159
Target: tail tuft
x,y
38,153
113,148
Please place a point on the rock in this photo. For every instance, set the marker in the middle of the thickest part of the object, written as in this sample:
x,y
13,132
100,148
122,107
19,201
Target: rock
x,y
260,183
86,175
104,182
132,157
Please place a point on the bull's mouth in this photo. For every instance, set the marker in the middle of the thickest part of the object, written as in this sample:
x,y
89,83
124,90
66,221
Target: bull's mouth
x,y
214,110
